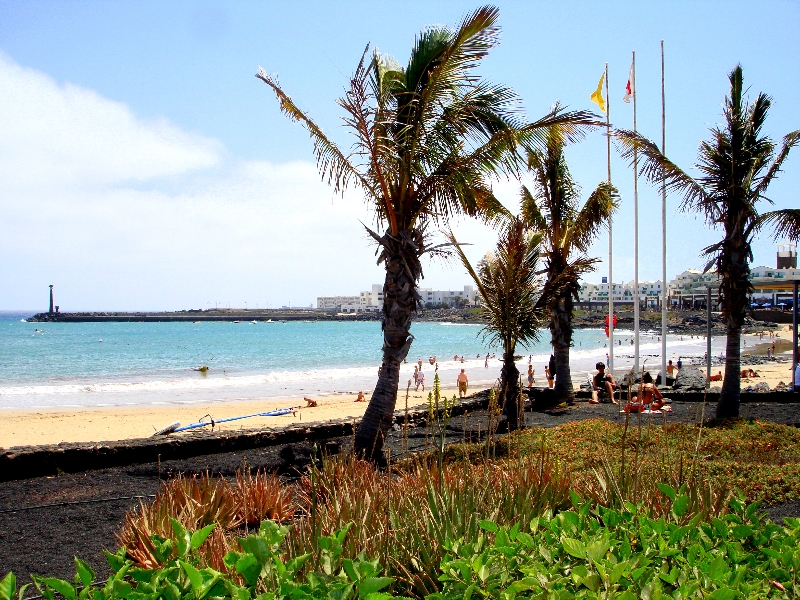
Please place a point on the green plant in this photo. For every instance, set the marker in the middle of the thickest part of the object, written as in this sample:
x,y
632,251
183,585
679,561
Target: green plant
x,y
594,552
257,571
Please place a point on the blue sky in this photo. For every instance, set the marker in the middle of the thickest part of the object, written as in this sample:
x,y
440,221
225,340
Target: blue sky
x,y
144,167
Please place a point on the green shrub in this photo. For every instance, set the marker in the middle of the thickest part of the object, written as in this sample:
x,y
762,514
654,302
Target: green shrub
x,y
627,554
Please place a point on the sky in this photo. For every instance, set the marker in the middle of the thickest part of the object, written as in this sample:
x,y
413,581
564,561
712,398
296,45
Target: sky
x,y
144,167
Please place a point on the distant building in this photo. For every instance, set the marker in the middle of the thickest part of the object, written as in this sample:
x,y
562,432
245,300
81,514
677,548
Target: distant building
x,y
372,299
339,303
597,293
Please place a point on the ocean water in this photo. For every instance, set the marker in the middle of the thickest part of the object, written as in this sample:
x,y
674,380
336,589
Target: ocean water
x,y
71,365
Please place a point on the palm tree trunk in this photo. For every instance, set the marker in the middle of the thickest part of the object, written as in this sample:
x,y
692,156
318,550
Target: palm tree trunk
x,y
400,300
729,398
561,330
734,269
509,392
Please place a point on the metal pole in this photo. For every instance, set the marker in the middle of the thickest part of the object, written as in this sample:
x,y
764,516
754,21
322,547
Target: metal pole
x,y
664,327
794,332
708,338
610,240
635,233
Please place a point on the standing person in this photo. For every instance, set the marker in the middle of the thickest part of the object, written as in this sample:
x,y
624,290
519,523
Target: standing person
x,y
416,374
420,381
551,366
797,379
486,362
530,376
547,376
463,383
679,364
608,360
603,385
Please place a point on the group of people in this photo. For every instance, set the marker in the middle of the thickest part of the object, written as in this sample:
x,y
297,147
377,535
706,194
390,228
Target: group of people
x,y
462,381
604,387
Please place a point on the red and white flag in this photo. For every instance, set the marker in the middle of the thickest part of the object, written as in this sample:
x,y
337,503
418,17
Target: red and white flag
x,y
629,86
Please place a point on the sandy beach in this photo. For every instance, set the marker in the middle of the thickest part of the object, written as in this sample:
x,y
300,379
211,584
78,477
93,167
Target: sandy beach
x,y
29,427
94,424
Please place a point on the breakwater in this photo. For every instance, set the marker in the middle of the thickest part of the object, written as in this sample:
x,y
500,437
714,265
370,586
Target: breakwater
x,y
200,315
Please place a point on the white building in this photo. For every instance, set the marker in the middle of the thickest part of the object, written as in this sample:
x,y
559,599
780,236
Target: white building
x,y
373,299
339,303
649,293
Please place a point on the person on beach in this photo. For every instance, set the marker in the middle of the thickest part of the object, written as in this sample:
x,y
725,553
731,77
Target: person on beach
x,y
551,367
420,381
309,402
679,364
416,375
670,369
747,373
486,362
608,360
797,379
360,397
717,377
463,383
530,376
603,385
547,376
651,396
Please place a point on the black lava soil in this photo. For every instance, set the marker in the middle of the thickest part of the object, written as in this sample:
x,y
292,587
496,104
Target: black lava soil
x,y
44,540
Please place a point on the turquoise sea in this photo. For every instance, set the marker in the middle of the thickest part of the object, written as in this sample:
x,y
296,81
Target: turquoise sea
x,y
49,365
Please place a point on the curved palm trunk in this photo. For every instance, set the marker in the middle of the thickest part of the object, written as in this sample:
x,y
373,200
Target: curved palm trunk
x,y
561,330
400,301
734,270
509,392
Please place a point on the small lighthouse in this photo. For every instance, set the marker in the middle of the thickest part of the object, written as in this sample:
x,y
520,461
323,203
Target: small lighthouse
x,y
51,300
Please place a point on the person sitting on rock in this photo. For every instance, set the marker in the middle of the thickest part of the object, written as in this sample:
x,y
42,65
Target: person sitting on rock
x,y
603,385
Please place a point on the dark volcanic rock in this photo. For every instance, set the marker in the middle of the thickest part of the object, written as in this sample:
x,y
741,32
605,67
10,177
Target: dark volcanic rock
x,y
689,379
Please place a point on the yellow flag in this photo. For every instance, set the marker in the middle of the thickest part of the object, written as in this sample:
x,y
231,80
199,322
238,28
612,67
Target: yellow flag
x,y
597,95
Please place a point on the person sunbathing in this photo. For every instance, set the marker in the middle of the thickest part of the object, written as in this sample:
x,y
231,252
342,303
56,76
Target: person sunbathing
x,y
717,377
650,394
746,373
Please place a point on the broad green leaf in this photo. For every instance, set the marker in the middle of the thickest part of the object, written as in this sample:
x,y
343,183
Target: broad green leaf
x,y
182,539
84,572
199,536
488,526
574,547
64,588
667,490
681,505
8,587
369,585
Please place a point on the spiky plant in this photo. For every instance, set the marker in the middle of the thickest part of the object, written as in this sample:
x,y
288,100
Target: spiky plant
x,y
736,167
513,301
427,139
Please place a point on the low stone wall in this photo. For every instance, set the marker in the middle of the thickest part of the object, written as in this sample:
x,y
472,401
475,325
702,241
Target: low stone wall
x,y
23,462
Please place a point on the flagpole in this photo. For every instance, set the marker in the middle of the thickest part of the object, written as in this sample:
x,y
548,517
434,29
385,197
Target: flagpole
x,y
610,240
664,299
635,233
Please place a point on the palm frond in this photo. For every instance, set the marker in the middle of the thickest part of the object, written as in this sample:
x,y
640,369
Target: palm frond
x,y
785,223
531,214
593,217
334,166
789,141
657,167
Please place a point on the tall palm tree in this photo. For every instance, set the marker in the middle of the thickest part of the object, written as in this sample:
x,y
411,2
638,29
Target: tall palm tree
x,y
427,138
513,301
737,165
568,230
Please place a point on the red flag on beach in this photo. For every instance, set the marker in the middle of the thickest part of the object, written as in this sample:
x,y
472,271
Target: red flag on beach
x,y
629,86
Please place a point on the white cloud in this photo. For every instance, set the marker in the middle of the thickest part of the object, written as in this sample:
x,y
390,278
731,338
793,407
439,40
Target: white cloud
x,y
123,213
73,136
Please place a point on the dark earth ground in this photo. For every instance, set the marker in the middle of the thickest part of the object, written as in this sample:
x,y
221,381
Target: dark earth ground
x,y
44,540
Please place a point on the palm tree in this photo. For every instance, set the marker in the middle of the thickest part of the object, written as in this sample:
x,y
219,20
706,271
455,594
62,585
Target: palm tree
x,y
513,301
568,230
427,138
737,165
